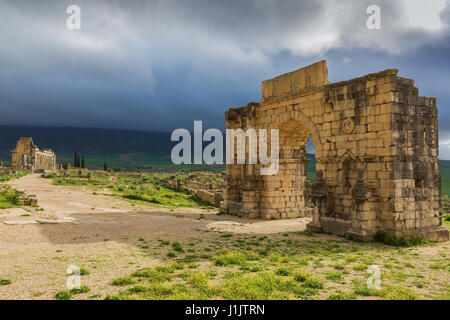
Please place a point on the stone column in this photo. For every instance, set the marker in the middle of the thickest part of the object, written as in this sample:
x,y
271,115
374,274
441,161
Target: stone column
x,y
319,194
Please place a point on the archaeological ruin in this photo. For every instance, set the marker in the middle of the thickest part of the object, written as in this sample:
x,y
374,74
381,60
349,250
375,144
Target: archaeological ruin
x,y
27,156
376,146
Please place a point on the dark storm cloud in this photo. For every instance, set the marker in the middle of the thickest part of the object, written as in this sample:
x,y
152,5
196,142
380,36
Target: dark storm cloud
x,y
159,65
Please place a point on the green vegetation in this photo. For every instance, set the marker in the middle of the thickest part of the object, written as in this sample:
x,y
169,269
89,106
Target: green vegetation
x,y
340,295
177,247
84,272
6,175
4,282
308,279
144,188
445,210
63,295
445,177
399,242
283,266
230,258
137,161
311,167
387,293
10,198
82,289
67,294
289,265
124,281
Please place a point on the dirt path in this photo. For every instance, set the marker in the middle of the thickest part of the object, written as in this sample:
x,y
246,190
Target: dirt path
x,y
60,202
99,232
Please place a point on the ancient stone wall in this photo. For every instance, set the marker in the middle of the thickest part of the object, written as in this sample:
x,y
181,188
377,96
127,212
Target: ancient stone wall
x,y
376,146
27,156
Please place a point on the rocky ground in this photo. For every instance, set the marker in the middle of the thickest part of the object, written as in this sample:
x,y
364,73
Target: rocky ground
x,y
94,230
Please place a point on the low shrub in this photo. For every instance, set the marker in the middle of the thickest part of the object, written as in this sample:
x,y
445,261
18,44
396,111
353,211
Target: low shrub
x,y
385,238
230,258
177,247
125,281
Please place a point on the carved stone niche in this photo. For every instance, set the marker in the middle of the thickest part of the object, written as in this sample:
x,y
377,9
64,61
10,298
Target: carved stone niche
x,y
360,192
319,188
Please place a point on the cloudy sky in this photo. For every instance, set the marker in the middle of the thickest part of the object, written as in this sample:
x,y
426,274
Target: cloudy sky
x,y
160,65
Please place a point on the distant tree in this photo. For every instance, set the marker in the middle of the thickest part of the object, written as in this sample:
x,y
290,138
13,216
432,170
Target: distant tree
x,y
105,166
75,159
83,164
77,163
65,165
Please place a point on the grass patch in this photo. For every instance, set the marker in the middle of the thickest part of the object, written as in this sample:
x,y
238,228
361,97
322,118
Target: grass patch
x,y
177,247
361,289
263,285
63,295
10,198
153,275
230,258
67,294
82,289
10,175
341,295
124,281
334,276
385,238
143,188
308,279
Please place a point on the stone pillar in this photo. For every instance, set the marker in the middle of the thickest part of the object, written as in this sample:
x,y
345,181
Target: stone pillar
x,y
363,214
319,195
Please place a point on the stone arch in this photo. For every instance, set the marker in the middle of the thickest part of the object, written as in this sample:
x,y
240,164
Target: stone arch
x,y
293,199
303,119
371,177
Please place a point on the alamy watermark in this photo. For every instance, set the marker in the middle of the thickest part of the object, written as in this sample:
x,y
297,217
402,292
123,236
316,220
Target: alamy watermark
x,y
73,22
213,152
374,280
74,277
374,20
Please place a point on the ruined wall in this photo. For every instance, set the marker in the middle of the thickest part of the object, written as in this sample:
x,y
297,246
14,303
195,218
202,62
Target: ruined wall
x,y
27,156
376,148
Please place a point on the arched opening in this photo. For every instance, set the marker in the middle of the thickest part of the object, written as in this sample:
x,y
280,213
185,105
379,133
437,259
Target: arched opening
x,y
311,156
296,171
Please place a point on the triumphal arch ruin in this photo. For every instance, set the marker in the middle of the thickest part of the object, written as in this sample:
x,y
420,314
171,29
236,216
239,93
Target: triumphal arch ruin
x,y
376,146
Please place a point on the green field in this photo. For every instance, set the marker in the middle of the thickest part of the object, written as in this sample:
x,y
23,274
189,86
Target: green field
x,y
145,188
445,177
6,176
158,163
137,162
212,264
10,198
296,265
